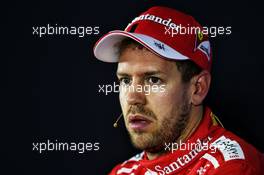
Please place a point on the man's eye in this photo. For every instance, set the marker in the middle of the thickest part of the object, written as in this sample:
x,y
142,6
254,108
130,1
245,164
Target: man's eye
x,y
154,80
124,81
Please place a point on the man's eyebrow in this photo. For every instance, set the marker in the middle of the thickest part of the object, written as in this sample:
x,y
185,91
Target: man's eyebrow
x,y
153,73
122,74
149,73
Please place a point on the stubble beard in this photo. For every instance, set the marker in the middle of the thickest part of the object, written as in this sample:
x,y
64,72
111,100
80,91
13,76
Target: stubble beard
x,y
169,131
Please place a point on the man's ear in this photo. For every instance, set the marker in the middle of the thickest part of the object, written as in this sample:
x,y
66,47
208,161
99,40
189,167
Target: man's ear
x,y
200,86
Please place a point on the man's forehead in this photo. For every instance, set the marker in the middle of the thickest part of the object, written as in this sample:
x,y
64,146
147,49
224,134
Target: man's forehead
x,y
142,62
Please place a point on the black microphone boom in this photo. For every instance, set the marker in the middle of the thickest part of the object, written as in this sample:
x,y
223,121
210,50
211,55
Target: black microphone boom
x,y
115,124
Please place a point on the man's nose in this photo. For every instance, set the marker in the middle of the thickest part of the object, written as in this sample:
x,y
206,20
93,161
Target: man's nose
x,y
136,95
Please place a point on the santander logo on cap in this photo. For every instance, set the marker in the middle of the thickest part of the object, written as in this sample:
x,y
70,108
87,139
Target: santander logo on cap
x,y
166,32
165,22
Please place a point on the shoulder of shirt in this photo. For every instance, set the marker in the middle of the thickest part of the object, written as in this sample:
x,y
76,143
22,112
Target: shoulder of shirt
x,y
231,150
236,167
128,164
135,158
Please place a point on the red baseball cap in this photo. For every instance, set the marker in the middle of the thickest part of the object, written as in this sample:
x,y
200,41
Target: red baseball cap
x,y
166,32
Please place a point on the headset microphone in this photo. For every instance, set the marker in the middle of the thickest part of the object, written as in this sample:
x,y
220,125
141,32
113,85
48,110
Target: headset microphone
x,y
115,124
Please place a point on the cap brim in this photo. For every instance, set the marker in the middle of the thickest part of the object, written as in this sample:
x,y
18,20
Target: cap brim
x,y
106,48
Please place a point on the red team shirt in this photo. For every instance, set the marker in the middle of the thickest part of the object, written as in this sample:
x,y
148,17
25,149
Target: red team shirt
x,y
210,150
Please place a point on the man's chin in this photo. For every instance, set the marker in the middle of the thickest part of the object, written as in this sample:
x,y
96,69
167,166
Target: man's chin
x,y
145,141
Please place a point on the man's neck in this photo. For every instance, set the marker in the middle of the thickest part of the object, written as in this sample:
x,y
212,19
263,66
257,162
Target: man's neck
x,y
196,116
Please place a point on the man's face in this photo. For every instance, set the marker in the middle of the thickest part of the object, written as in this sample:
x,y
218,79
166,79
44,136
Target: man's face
x,y
152,118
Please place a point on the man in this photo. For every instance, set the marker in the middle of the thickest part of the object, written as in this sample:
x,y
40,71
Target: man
x,y
178,135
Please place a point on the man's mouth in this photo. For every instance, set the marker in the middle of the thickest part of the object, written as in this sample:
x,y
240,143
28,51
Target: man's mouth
x,y
138,122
